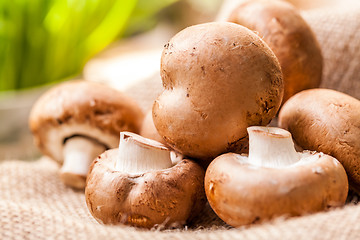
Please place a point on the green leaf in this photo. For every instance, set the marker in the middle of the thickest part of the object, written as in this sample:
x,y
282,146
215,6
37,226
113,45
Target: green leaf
x,y
44,41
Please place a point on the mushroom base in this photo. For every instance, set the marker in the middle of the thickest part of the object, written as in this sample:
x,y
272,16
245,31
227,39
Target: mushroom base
x,y
243,194
164,197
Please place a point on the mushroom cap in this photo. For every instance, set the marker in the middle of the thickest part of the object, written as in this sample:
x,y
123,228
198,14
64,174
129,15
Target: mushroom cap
x,y
219,78
166,197
149,130
243,194
81,108
281,26
327,121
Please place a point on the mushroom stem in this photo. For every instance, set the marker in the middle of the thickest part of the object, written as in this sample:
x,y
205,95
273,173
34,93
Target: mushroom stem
x,y
79,152
138,154
271,147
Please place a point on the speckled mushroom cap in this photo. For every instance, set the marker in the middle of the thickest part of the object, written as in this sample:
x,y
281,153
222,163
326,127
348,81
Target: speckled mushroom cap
x,y
242,194
82,108
219,78
165,197
328,121
281,26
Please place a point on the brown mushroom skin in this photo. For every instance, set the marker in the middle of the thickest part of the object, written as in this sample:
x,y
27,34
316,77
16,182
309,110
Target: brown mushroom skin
x,y
219,78
281,26
327,121
82,102
148,128
166,197
241,194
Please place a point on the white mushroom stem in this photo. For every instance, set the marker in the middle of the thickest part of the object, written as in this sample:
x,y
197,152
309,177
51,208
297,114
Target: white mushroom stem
x,y
78,152
138,154
271,147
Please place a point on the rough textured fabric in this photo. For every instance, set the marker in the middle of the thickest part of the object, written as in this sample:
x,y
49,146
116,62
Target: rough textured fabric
x,y
338,32
34,204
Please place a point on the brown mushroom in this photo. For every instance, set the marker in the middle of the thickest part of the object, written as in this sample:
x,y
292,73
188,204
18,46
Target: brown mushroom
x,y
219,78
273,180
327,121
138,185
289,36
76,121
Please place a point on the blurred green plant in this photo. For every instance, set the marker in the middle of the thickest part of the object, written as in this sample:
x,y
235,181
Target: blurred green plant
x,y
43,41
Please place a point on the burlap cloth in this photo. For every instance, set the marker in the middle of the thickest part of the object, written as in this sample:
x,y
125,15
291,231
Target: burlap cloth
x,y
35,205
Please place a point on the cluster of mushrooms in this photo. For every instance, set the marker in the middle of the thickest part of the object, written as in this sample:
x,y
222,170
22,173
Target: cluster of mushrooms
x,y
206,135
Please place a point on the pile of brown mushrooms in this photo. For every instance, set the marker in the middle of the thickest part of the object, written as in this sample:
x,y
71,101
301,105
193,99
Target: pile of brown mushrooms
x,y
223,84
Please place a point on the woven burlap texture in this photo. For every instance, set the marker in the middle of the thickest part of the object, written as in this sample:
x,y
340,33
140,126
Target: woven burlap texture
x,y
34,204
338,32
